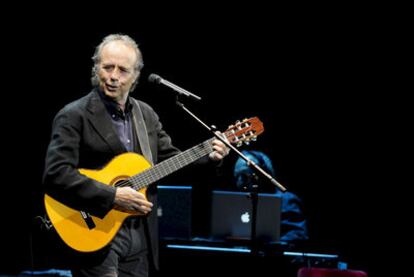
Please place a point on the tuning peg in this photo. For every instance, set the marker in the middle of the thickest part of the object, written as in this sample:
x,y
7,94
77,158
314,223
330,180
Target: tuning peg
x,y
253,138
239,143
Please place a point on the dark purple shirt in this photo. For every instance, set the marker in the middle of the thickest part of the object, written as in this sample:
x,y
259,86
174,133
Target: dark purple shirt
x,y
122,121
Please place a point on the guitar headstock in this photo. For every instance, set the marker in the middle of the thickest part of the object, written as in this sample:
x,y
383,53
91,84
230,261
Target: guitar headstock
x,y
244,131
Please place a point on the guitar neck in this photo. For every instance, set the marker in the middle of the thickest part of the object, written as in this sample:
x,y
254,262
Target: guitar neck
x,y
165,168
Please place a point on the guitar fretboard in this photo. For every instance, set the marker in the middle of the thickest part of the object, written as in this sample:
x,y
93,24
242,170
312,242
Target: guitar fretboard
x,y
163,169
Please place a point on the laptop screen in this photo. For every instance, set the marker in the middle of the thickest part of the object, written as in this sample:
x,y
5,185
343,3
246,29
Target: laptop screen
x,y
174,212
231,216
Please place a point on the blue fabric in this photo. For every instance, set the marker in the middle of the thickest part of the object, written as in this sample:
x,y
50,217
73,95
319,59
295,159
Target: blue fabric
x,y
293,225
49,272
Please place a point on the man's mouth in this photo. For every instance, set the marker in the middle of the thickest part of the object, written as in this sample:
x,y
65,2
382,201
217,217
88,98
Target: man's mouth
x,y
111,88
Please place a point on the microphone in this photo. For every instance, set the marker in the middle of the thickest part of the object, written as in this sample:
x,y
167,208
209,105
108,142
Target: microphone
x,y
154,78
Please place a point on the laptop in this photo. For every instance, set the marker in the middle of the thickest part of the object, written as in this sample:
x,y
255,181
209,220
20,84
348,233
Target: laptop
x,y
231,216
174,212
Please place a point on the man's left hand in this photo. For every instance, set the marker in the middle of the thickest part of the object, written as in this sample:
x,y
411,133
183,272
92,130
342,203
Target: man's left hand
x,y
220,150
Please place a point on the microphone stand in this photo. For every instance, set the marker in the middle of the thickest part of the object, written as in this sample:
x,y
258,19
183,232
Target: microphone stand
x,y
254,196
249,162
254,191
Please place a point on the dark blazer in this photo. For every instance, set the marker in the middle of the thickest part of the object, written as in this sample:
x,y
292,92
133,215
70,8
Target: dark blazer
x,y
83,137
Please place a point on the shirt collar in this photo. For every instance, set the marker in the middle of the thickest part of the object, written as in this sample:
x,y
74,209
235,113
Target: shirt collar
x,y
113,108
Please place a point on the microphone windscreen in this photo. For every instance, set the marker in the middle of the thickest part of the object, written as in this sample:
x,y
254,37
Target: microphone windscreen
x,y
154,78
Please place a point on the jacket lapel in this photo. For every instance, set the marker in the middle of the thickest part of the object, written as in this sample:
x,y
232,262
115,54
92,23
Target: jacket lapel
x,y
101,121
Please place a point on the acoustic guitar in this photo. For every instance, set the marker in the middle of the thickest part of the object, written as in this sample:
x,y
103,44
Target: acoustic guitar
x,y
86,233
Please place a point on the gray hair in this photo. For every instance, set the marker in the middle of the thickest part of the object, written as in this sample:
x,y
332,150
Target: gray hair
x,y
97,56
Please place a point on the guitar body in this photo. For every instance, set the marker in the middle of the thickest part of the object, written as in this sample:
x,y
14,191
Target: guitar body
x,y
69,222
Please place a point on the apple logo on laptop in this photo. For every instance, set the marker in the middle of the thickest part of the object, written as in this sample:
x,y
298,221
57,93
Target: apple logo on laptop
x,y
245,218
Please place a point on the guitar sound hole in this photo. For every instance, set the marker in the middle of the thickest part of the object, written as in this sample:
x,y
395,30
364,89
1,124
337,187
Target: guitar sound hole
x,y
121,181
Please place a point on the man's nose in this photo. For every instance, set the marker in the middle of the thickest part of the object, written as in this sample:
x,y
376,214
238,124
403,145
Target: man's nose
x,y
115,74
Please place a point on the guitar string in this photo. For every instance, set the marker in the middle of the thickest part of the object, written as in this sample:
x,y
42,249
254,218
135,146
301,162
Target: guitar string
x,y
158,173
169,165
156,176
143,179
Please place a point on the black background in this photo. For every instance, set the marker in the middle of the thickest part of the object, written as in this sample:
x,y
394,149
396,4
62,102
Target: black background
x,y
321,80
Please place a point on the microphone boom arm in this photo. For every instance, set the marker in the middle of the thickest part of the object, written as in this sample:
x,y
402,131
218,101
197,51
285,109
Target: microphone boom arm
x,y
157,79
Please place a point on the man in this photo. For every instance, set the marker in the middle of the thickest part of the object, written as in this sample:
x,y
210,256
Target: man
x,y
90,132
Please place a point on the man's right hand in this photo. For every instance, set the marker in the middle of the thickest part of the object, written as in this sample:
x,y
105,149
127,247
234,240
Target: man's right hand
x,y
131,201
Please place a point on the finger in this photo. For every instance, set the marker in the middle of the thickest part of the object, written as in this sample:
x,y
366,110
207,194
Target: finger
x,y
221,145
145,208
140,195
217,156
220,150
140,208
222,136
218,143
143,202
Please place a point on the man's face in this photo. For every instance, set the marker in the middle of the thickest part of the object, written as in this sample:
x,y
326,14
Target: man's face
x,y
116,70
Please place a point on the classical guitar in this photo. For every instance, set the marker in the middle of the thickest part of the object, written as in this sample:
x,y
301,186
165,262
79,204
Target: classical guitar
x,y
87,233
